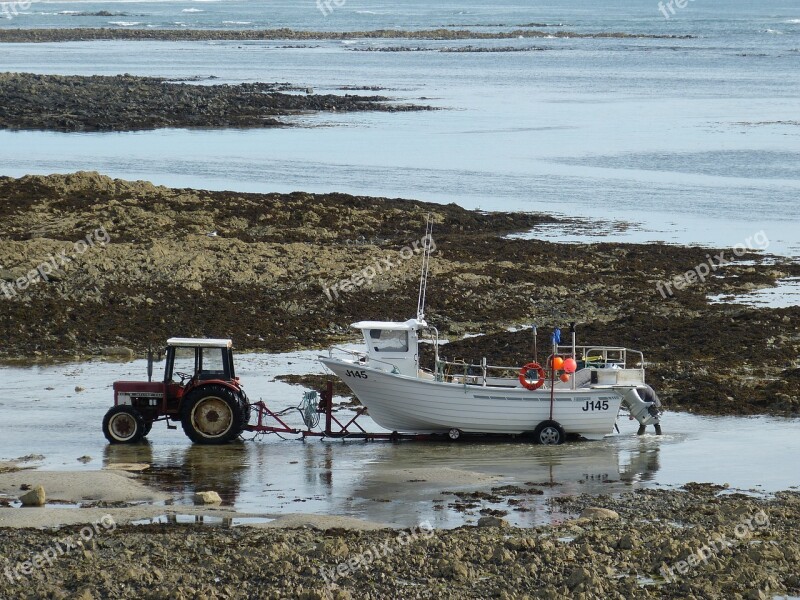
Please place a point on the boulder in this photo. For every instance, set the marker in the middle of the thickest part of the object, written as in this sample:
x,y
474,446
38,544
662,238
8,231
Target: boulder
x,y
36,497
492,522
207,498
595,512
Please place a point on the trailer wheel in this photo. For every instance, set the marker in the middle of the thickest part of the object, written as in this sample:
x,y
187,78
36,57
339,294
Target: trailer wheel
x,y
549,433
148,425
123,425
211,415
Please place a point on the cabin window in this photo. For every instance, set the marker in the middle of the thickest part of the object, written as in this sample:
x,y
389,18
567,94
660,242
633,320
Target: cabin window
x,y
213,361
387,340
184,361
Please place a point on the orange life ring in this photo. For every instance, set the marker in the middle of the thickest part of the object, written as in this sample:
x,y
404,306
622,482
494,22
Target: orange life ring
x,y
523,376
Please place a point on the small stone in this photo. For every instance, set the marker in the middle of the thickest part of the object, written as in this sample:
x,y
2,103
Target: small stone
x,y
85,459
458,570
79,388
577,577
35,497
626,542
594,512
209,497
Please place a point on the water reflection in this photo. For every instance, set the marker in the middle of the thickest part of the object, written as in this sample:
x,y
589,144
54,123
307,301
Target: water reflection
x,y
128,454
397,483
184,471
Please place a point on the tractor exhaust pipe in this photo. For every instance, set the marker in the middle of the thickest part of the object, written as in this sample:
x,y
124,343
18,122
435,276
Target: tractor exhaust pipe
x,y
149,365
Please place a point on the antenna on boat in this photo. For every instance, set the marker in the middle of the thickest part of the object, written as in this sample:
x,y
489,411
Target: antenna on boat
x,y
428,246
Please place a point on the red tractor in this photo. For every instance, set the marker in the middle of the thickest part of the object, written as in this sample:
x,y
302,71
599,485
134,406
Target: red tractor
x,y
207,398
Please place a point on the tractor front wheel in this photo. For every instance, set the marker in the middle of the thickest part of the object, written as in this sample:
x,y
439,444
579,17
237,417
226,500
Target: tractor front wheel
x,y
212,414
123,425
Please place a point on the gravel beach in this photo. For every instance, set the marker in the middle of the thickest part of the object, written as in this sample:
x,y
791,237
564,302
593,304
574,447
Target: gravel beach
x,y
696,542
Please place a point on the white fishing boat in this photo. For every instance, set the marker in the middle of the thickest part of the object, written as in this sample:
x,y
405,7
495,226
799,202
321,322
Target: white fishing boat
x,y
579,389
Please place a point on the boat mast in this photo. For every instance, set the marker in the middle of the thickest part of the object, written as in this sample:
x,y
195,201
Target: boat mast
x,y
426,263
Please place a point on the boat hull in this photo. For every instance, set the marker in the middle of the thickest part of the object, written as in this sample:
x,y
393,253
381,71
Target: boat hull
x,y
412,405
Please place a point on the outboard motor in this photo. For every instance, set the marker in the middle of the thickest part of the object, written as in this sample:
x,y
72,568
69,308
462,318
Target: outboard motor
x,y
643,404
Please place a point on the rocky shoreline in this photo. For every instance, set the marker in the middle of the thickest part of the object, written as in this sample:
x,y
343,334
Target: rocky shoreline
x,y
696,542
180,35
132,264
129,103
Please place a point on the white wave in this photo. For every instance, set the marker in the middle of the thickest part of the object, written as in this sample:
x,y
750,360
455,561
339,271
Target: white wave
x,y
773,31
237,22
125,23
193,10
366,12
793,21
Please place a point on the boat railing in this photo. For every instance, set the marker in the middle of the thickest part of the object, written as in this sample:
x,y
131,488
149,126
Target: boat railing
x,y
477,374
605,356
361,357
588,357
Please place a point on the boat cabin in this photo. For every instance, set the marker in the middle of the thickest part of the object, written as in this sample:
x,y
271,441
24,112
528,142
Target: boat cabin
x,y
392,346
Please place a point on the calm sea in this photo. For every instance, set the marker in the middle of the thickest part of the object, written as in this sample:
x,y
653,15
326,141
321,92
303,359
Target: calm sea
x,y
681,140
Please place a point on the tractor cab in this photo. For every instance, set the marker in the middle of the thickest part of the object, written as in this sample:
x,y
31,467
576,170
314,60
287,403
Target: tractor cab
x,y
191,359
200,389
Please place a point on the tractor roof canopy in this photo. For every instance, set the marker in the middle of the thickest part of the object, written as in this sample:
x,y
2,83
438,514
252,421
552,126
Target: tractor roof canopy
x,y
199,343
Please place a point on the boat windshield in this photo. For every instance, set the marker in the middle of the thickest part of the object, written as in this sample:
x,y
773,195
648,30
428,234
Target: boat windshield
x,y
387,340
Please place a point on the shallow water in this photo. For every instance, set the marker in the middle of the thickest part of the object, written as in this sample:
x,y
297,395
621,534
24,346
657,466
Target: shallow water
x,y
268,476
785,294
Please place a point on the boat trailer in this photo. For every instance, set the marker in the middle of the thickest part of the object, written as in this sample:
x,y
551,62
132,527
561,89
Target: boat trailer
x,y
317,404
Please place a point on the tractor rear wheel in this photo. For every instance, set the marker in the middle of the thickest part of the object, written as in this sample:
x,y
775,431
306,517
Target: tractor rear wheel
x,y
246,410
123,425
212,414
